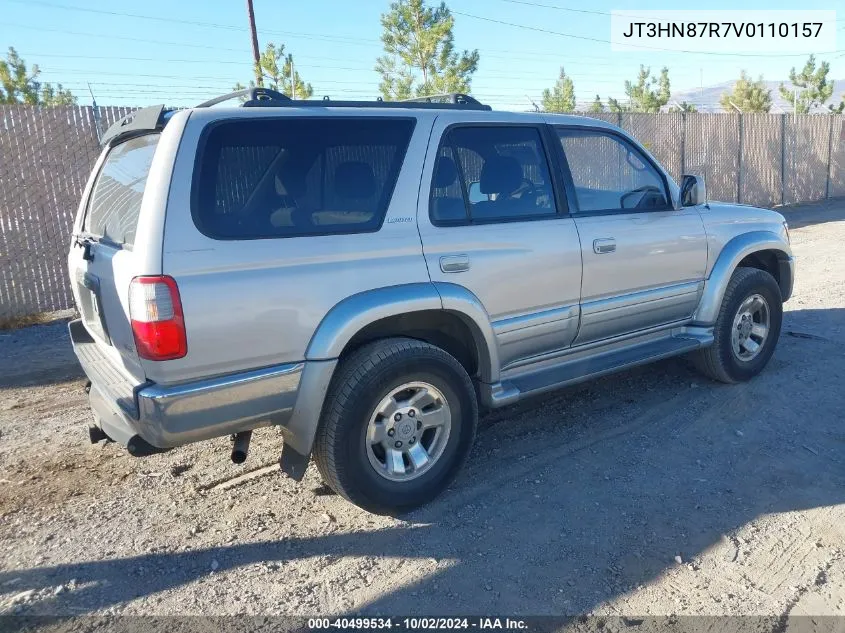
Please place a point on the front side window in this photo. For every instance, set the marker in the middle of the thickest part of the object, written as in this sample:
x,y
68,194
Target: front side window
x,y
610,174
297,176
488,174
115,202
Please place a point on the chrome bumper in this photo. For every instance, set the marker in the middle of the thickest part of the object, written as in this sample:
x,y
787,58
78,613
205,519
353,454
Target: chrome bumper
x,y
168,416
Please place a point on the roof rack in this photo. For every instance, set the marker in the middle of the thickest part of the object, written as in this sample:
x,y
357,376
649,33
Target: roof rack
x,y
254,97
264,97
448,97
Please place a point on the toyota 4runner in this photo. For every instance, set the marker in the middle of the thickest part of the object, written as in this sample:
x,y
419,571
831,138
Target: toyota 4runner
x,y
366,276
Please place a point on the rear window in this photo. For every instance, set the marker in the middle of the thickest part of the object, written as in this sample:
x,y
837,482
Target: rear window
x,y
297,176
115,202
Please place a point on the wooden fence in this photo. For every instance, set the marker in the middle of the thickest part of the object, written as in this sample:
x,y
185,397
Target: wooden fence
x,y
46,155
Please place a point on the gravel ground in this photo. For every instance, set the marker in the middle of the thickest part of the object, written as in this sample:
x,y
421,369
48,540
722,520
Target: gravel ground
x,y
651,492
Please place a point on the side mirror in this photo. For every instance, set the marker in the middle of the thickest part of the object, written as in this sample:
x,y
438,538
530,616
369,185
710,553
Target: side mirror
x,y
693,191
475,194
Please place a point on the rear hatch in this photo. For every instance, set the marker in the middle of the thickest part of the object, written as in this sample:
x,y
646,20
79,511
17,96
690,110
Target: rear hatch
x,y
104,256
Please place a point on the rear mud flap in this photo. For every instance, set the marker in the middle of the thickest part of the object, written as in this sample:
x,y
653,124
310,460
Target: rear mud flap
x,y
293,463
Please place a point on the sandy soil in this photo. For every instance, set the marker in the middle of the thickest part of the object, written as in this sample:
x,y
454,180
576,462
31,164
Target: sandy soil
x,y
653,491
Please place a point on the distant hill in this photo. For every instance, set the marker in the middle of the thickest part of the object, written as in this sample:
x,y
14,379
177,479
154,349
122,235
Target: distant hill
x,y
707,100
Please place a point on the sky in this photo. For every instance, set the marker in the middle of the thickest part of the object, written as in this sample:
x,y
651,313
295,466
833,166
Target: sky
x,y
181,52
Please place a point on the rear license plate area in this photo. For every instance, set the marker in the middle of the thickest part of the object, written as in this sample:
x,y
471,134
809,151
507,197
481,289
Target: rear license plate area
x,y
91,305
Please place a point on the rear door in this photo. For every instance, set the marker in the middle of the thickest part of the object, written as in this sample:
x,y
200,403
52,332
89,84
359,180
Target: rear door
x,y
102,260
644,260
492,221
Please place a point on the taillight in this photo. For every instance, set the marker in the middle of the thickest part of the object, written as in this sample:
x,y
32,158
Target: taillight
x,y
158,324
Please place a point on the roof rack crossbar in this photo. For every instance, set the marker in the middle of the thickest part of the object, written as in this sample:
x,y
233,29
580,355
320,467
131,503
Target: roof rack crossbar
x,y
254,97
448,97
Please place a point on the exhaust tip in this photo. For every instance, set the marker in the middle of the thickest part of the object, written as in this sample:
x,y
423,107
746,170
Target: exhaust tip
x,y
240,448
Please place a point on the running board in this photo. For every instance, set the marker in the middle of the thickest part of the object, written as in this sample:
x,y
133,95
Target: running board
x,y
586,368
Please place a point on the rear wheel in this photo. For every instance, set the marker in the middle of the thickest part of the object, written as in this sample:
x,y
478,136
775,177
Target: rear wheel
x,y
399,421
747,328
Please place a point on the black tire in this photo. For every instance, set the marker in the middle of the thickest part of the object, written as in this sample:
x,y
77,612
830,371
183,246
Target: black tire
x,y
719,361
359,384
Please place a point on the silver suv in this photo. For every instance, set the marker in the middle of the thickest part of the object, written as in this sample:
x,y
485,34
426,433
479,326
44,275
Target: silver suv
x,y
367,276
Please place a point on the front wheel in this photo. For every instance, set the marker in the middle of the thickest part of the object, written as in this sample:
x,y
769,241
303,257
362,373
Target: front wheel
x,y
746,330
399,421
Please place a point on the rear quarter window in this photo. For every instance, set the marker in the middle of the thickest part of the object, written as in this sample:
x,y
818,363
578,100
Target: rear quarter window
x,y
273,178
115,202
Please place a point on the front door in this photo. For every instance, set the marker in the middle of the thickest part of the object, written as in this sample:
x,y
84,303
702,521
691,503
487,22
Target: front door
x,y
494,225
644,261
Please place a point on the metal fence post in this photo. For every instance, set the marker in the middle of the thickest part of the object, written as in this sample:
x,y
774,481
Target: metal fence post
x,y
683,143
829,157
739,162
782,159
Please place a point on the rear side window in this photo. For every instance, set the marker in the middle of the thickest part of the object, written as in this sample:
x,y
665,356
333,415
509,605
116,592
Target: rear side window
x,y
115,202
491,174
273,178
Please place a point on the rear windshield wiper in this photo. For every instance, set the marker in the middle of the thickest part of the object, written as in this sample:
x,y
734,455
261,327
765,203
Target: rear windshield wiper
x,y
84,237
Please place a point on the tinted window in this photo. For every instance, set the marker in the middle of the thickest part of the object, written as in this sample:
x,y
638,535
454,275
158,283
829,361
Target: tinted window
x,y
115,202
489,174
610,173
288,177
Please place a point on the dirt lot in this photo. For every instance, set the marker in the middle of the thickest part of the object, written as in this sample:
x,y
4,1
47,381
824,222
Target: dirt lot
x,y
650,492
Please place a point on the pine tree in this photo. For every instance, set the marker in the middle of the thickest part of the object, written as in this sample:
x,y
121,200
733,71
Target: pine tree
x,y
648,94
810,87
420,57
279,79
596,106
561,98
19,86
747,95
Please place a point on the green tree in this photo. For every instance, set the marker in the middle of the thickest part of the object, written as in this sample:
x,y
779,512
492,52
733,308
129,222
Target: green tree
x,y
683,106
596,106
838,109
420,57
614,106
748,95
648,94
810,87
561,98
275,68
19,86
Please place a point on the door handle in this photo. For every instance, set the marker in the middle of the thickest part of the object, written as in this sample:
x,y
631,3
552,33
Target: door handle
x,y
604,245
454,263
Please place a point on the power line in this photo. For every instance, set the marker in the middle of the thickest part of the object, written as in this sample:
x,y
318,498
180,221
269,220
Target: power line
x,y
345,39
604,13
643,46
215,25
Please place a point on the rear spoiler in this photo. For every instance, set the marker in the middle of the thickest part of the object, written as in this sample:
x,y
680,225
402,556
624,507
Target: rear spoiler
x,y
142,120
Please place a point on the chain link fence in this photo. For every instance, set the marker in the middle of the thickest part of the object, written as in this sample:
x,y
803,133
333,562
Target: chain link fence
x,y
46,155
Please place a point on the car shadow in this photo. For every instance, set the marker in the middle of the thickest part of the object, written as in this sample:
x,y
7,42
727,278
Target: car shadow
x,y
800,216
558,522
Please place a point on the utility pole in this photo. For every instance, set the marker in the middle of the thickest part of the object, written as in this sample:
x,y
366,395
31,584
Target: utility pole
x,y
256,57
292,82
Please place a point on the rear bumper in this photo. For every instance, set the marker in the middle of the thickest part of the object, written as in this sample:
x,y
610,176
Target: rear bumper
x,y
168,416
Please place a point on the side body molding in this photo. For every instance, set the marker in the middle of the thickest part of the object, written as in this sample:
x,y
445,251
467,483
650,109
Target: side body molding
x,y
732,253
354,313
